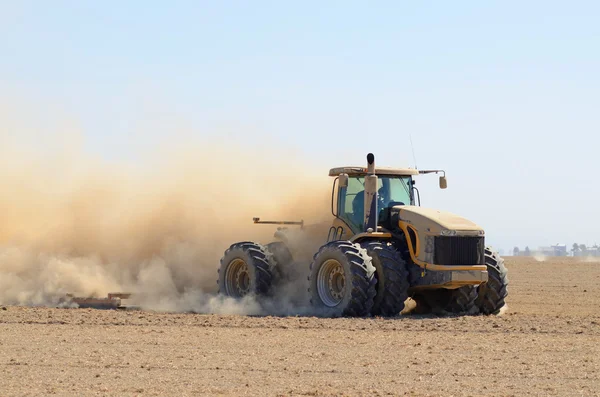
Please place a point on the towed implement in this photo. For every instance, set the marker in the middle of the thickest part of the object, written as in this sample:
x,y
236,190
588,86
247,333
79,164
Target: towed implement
x,y
381,248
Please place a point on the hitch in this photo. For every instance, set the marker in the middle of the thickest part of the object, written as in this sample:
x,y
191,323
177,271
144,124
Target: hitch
x,y
258,221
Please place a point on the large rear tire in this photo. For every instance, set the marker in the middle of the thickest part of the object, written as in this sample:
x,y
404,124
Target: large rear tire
x,y
492,295
342,280
392,279
245,271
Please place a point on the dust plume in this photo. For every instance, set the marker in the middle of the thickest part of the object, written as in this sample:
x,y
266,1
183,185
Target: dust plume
x,y
71,222
503,310
589,259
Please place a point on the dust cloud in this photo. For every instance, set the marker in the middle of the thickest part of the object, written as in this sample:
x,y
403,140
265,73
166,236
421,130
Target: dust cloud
x,y
589,259
71,222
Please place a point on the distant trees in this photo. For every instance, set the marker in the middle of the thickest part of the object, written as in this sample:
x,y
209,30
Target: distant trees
x,y
527,252
578,248
516,251
584,250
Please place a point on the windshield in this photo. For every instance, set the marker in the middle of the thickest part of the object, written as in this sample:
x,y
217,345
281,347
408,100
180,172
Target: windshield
x,y
393,190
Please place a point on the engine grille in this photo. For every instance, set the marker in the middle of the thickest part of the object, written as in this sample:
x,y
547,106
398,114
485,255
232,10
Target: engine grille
x,y
455,250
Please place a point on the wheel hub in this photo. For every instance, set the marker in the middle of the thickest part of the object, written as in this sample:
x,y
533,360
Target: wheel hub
x,y
331,283
237,278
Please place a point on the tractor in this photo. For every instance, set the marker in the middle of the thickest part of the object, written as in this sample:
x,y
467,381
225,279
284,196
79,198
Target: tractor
x,y
381,249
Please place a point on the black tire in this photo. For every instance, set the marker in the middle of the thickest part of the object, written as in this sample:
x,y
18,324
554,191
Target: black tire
x,y
237,281
281,261
457,301
492,295
462,300
281,253
392,279
356,298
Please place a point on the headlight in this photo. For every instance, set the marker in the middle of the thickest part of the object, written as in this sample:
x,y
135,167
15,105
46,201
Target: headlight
x,y
447,232
429,249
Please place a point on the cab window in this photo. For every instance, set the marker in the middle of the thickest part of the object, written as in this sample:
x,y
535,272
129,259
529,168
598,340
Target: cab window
x,y
391,190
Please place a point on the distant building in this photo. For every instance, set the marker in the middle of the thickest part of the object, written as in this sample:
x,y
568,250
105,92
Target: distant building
x,y
559,250
553,250
594,251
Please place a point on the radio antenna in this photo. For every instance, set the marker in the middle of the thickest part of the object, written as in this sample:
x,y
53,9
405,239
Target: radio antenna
x,y
413,150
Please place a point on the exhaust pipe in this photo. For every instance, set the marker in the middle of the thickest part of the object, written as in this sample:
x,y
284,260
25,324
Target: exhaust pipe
x,y
371,210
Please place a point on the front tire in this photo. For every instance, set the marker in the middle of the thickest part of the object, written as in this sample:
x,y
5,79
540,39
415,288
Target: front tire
x,y
462,300
454,301
342,280
492,294
244,271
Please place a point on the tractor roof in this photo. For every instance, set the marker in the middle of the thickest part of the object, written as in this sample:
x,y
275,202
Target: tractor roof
x,y
361,171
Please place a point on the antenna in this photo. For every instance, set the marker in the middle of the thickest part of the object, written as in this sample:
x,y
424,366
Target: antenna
x,y
413,150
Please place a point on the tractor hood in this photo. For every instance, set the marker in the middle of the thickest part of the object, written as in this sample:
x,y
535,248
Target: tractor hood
x,y
433,221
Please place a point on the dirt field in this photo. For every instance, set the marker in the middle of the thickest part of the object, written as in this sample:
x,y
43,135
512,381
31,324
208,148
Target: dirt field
x,y
548,343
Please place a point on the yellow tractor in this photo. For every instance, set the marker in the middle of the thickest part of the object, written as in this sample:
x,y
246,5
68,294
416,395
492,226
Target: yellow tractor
x,y
381,249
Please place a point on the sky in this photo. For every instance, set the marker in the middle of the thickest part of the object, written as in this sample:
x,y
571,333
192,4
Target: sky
x,y
502,95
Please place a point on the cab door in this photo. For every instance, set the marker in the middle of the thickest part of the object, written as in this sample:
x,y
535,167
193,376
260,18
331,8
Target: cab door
x,y
348,209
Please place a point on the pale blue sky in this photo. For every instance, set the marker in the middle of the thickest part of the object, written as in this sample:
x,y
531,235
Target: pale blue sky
x,y
502,94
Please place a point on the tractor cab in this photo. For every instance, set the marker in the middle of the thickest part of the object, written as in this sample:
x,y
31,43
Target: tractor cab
x,y
394,187
392,190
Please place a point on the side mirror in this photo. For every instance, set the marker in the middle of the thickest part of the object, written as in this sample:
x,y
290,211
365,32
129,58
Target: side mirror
x,y
343,180
443,182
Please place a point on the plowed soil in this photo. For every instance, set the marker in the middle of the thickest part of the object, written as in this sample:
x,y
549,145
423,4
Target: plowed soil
x,y
547,343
